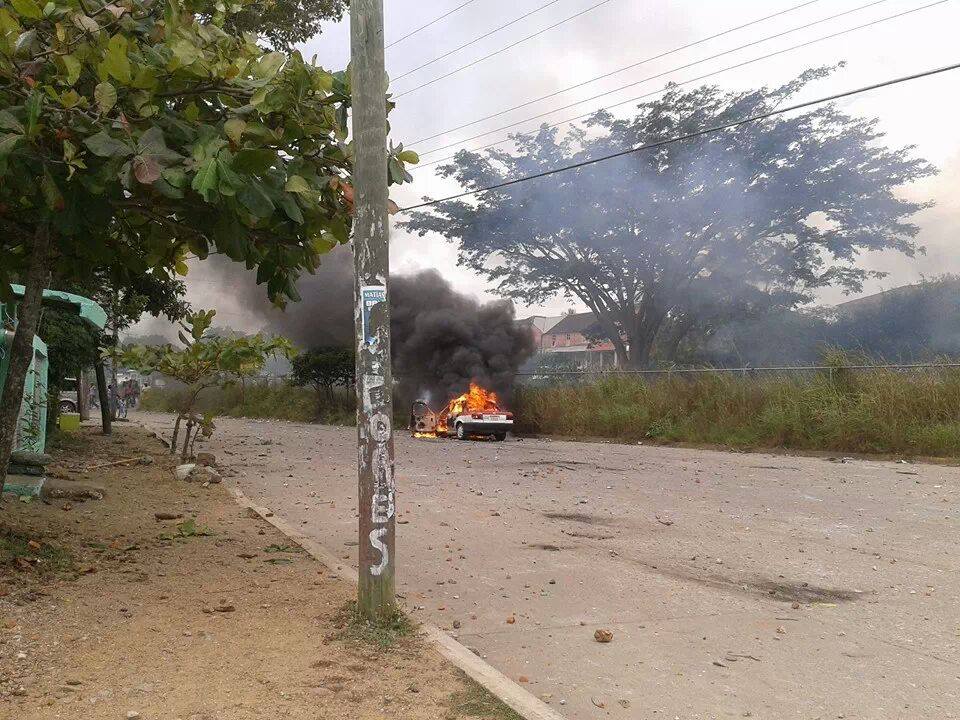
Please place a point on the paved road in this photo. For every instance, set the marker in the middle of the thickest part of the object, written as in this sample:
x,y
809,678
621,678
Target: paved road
x,y
736,585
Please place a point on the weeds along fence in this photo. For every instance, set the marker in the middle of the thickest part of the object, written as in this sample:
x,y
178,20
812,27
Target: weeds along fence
x,y
903,409
908,409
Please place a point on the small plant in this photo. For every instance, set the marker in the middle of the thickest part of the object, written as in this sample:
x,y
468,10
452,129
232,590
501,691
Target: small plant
x,y
189,529
206,361
356,628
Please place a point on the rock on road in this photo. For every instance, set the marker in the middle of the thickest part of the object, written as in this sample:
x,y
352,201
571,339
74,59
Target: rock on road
x,y
735,585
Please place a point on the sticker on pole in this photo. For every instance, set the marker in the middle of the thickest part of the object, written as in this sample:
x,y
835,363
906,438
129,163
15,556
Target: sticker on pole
x,y
370,296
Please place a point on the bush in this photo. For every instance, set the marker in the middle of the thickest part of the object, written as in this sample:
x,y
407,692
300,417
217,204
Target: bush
x,y
874,411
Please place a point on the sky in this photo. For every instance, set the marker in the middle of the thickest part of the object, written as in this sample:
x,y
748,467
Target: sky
x,y
617,33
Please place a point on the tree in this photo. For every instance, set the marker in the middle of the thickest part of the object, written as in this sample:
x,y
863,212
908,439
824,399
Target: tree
x,y
284,23
323,368
135,133
678,239
205,361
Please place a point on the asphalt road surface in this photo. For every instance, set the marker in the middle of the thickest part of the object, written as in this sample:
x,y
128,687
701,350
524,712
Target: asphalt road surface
x,y
735,585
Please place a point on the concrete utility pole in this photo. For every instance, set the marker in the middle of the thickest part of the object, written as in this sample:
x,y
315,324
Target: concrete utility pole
x,y
371,253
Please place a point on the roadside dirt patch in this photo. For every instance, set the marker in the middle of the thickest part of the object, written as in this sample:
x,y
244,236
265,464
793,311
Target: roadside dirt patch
x,y
211,615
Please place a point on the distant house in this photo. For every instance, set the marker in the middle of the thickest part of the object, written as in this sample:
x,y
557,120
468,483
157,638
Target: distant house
x,y
572,336
538,325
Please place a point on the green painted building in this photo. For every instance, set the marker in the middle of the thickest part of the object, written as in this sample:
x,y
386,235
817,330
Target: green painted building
x,y
32,425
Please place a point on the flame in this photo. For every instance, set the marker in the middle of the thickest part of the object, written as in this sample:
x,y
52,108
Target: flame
x,y
475,400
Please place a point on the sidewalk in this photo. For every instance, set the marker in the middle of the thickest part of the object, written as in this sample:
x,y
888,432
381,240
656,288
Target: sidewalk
x,y
210,616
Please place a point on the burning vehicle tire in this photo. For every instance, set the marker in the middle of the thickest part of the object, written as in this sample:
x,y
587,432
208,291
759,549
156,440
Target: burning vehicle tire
x,y
475,413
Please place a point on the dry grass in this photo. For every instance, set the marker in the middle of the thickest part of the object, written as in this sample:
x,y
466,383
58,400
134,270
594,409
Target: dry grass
x,y
867,412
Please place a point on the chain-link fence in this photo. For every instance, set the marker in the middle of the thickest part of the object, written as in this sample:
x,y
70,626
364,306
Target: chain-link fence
x,y
550,378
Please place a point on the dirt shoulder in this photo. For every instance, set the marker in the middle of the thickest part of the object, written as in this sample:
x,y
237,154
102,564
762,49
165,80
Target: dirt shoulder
x,y
220,618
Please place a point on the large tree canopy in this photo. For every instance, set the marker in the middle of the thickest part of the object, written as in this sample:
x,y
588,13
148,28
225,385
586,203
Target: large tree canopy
x,y
664,242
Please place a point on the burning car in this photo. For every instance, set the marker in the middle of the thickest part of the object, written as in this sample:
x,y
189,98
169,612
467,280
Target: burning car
x,y
476,412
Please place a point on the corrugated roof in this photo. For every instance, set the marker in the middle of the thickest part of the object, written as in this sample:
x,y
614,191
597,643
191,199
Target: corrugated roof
x,y
86,308
578,323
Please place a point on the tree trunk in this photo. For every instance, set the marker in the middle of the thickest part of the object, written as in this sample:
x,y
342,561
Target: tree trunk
x,y
104,397
82,410
186,440
176,433
21,349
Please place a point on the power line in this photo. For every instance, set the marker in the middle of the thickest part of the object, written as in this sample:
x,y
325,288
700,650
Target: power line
x,y
615,72
503,49
678,84
432,22
476,39
661,74
688,136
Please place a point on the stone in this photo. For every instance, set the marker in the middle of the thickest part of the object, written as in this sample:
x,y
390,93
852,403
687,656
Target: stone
x,y
167,515
603,636
132,715
207,459
23,457
204,474
183,471
56,489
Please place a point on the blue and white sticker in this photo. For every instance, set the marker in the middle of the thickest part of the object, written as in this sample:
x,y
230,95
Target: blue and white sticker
x,y
370,296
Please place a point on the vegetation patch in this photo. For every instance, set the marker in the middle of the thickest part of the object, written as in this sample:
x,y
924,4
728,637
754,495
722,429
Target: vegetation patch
x,y
478,702
23,554
871,411
355,628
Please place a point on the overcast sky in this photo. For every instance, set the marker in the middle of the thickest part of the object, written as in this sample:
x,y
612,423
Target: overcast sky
x,y
621,32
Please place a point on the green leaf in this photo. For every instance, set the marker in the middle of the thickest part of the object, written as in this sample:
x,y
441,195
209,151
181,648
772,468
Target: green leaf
x,y
256,199
186,52
206,180
408,156
51,193
230,182
28,9
106,96
289,204
9,122
72,67
115,60
297,184
70,98
175,176
7,144
252,161
269,65
153,143
104,145
234,128
34,107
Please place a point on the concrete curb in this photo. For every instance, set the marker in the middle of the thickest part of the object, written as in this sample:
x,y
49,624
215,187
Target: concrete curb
x,y
521,701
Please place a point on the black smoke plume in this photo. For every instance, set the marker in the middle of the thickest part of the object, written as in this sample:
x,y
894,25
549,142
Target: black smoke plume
x,y
441,339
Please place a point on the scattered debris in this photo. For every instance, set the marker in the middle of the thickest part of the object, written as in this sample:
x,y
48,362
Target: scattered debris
x,y
603,636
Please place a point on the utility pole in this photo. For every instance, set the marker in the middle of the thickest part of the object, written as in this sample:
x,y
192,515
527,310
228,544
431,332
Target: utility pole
x,y
371,253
